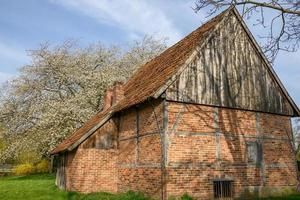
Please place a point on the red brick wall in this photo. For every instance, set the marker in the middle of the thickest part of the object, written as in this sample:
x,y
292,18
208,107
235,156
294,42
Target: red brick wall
x,y
278,153
133,163
202,144
92,170
208,143
140,149
139,178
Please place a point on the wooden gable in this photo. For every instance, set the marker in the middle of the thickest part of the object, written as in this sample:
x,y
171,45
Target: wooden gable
x,y
230,71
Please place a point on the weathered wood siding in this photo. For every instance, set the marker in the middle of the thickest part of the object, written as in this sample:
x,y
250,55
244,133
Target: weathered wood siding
x,y
228,71
61,171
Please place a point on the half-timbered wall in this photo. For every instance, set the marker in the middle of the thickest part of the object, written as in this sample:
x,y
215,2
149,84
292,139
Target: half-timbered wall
x,y
228,71
205,143
140,153
170,148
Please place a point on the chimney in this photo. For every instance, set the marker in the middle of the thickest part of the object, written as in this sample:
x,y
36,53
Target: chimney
x,y
113,95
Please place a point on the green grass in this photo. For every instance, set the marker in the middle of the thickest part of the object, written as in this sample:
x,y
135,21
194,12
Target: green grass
x,y
290,197
42,187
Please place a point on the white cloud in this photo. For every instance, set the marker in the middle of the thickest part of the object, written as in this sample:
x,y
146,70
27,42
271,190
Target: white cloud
x,y
135,16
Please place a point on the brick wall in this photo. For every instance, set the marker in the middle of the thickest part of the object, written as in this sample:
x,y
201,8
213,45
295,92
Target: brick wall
x,y
202,144
92,167
133,162
207,143
140,149
92,170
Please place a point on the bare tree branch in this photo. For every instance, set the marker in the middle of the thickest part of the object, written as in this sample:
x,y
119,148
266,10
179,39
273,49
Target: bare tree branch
x,y
283,26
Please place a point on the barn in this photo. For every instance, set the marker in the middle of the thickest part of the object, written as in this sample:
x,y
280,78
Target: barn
x,y
208,117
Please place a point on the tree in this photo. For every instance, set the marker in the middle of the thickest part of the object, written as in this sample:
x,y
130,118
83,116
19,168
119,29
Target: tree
x,y
62,88
280,17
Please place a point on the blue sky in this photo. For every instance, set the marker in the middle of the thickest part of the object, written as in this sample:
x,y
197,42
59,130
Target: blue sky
x,y
26,24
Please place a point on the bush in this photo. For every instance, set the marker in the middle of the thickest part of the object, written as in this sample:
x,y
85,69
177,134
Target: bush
x,y
133,195
43,166
23,169
186,197
28,157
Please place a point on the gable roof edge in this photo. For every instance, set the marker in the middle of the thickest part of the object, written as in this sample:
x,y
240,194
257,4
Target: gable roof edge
x,y
269,67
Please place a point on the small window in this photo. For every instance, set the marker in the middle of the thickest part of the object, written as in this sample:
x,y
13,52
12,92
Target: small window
x,y
253,152
223,189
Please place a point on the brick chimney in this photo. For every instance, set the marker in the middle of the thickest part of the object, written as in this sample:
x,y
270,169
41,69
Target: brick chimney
x,y
113,95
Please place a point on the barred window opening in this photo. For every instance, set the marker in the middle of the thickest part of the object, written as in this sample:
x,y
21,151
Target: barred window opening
x,y
223,189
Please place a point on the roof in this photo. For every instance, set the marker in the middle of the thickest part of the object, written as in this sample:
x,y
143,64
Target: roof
x,y
148,81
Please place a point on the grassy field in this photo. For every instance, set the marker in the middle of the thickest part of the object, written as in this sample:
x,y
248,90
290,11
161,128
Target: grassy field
x,y
41,187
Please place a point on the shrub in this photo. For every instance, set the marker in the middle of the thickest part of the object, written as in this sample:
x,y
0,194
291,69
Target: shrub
x,y
186,197
134,195
23,169
43,166
28,157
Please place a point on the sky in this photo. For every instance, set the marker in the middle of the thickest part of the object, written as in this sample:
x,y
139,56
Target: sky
x,y
24,25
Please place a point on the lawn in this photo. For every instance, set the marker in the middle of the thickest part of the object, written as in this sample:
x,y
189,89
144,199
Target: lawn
x,y
41,187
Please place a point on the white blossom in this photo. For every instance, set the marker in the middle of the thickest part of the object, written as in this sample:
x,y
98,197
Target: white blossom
x,y
61,89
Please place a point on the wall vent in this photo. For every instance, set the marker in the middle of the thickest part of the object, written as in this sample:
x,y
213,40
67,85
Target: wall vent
x,y
223,189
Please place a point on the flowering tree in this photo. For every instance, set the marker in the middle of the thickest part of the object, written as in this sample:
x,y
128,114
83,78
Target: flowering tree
x,y
61,88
